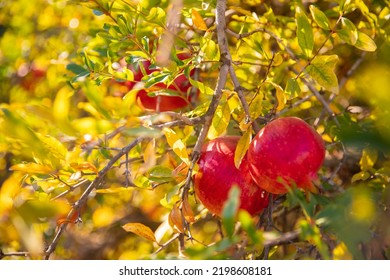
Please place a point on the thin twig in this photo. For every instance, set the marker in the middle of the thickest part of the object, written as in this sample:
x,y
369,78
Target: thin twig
x,y
13,254
285,238
83,198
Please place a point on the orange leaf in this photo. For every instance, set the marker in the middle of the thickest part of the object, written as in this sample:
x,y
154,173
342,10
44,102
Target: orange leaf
x,y
140,230
180,172
198,20
84,166
32,167
187,211
175,219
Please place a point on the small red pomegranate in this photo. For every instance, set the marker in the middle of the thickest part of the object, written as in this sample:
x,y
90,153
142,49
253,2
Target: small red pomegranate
x,y
287,151
162,103
217,174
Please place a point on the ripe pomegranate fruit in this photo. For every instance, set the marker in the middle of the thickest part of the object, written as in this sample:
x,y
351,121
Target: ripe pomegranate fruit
x,y
162,103
217,174
286,149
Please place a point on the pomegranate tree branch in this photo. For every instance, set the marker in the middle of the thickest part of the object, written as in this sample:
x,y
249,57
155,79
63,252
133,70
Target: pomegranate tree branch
x,y
13,254
284,238
84,197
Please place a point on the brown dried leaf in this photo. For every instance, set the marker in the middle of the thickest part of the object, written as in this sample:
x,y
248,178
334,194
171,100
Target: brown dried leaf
x,y
175,219
187,211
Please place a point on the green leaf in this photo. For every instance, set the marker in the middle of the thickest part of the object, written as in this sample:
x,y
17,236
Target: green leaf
x,y
75,68
304,33
362,175
230,209
242,147
321,69
160,173
292,88
156,77
202,87
348,32
220,120
248,226
365,43
320,18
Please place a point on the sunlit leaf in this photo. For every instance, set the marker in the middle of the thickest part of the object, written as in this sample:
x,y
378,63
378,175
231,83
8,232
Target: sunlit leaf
x,y
177,145
203,88
256,105
242,147
198,21
210,48
156,15
304,33
280,95
321,69
365,43
220,120
140,230
348,32
54,146
32,168
84,166
320,18
161,173
292,88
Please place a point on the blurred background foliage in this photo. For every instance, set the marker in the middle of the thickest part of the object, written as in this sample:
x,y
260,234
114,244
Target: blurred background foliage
x,y
65,111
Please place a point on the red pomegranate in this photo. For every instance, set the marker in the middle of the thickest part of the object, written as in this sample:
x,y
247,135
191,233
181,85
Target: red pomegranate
x,y
286,152
217,174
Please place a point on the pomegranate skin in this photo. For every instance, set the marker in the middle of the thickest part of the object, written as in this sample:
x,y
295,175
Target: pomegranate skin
x,y
163,103
287,151
217,174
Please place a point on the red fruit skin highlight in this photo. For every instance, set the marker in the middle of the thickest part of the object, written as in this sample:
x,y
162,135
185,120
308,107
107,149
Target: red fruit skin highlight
x,y
217,175
287,151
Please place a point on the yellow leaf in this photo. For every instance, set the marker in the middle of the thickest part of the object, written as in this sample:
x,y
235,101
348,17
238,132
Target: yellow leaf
x,y
149,154
8,191
32,167
54,146
340,252
198,20
280,96
220,120
177,145
140,230
242,147
369,158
